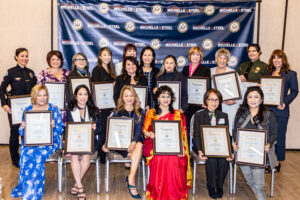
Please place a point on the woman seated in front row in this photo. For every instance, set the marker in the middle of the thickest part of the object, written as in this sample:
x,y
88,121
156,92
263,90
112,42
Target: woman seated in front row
x,y
170,175
82,109
33,158
216,168
252,114
128,105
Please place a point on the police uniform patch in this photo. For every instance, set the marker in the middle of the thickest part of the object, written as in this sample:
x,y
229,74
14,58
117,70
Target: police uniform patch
x,y
257,69
6,74
31,75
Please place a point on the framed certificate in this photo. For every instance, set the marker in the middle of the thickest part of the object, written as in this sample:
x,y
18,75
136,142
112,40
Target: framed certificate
x,y
119,132
142,92
228,84
17,105
215,141
57,93
79,138
79,80
251,143
197,86
103,93
167,139
176,87
273,88
38,129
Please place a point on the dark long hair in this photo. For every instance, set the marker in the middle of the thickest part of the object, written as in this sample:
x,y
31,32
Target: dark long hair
x,y
285,63
110,66
138,73
259,117
126,48
161,90
93,110
152,64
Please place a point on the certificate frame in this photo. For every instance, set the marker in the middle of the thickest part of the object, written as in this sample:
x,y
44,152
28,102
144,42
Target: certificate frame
x,y
144,90
27,130
12,100
280,81
190,80
70,126
204,131
111,121
86,80
239,139
61,105
177,94
97,86
234,77
156,143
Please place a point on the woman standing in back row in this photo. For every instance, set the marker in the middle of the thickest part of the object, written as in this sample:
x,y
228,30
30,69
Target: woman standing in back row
x,y
279,66
21,80
103,72
195,69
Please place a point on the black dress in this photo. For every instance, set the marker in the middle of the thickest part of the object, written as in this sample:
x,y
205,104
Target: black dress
x,y
201,71
99,74
177,76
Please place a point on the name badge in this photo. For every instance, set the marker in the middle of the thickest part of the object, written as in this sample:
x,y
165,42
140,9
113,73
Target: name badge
x,y
221,121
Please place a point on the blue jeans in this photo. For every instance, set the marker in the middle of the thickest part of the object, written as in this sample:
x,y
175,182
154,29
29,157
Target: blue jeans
x,y
255,177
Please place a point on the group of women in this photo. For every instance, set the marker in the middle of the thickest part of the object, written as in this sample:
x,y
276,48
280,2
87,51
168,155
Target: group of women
x,y
170,176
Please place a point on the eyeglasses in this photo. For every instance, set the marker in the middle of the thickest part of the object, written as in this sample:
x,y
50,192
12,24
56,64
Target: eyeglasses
x,y
80,60
213,100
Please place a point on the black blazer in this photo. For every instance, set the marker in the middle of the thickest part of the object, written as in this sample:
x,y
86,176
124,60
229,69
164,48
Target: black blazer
x,y
98,122
201,70
120,83
99,74
202,118
177,76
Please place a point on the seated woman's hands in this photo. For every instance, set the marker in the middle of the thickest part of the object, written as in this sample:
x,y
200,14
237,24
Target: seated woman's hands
x,y
52,123
23,124
230,159
267,148
150,134
201,156
235,147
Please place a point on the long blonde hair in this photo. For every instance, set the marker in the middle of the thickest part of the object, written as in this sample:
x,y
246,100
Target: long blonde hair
x,y
136,103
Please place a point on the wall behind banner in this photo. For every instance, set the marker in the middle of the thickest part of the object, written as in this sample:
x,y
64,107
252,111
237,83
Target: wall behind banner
x,y
27,23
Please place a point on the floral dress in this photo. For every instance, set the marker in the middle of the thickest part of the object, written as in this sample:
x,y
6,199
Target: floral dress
x,y
32,161
46,76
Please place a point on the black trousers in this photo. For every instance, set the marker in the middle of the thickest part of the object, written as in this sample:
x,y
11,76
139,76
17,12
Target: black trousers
x,y
216,172
14,144
104,114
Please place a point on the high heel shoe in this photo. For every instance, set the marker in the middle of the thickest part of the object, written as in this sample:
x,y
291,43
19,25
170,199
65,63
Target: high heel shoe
x,y
278,167
136,196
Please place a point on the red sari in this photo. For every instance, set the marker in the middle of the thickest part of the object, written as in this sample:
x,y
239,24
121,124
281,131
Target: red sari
x,y
170,176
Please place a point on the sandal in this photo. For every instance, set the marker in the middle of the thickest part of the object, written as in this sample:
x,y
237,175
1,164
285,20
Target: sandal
x,y
131,187
74,190
81,195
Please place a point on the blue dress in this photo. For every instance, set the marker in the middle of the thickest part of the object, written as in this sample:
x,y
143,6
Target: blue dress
x,y
32,161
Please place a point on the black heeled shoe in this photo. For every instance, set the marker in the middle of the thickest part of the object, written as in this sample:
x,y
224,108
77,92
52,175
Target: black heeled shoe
x,y
136,196
277,168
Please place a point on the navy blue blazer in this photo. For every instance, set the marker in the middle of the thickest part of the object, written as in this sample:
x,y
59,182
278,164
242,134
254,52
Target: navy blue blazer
x,y
290,83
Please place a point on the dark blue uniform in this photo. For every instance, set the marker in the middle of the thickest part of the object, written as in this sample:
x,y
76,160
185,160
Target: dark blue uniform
x,y
21,80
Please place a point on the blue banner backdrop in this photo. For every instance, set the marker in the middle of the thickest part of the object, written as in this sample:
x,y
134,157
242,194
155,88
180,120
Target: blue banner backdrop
x,y
169,27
